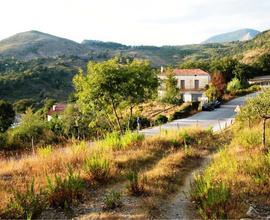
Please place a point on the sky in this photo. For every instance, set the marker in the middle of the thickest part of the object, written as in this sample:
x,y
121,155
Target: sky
x,y
133,22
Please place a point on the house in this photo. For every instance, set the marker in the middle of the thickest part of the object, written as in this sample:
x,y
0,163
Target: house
x,y
191,83
263,81
55,110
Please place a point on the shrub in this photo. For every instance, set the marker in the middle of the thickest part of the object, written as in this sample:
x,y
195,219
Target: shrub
x,y
27,205
135,187
234,85
97,167
112,200
45,152
248,138
161,119
64,192
111,140
3,140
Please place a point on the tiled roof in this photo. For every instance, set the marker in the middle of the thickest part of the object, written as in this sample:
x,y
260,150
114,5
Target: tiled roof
x,y
189,72
57,108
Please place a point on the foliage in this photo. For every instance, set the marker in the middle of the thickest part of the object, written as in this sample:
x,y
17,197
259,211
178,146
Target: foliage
x,y
3,140
257,108
64,191
172,93
7,115
219,83
161,119
31,128
21,105
27,205
112,200
109,85
212,93
234,85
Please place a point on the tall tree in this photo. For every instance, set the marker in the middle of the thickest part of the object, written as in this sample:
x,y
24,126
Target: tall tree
x,y
219,83
7,115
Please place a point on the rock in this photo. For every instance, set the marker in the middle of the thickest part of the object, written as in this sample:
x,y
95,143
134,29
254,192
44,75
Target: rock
x,y
258,212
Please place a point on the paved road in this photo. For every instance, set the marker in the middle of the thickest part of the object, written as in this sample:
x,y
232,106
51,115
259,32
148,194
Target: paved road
x,y
218,119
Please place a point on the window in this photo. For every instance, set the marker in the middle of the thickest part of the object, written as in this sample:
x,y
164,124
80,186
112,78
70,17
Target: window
x,y
196,84
182,84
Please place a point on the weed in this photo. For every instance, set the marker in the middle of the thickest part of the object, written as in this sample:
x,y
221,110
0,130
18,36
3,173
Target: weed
x,y
135,187
81,147
27,205
211,197
97,167
112,200
45,152
66,191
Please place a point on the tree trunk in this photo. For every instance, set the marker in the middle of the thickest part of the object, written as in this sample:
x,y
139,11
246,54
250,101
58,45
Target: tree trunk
x,y
130,117
117,117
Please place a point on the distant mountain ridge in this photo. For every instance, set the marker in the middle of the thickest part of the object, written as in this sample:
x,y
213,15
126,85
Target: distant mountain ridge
x,y
33,44
238,35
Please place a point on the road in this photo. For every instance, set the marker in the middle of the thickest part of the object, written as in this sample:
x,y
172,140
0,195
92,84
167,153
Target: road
x,y
218,119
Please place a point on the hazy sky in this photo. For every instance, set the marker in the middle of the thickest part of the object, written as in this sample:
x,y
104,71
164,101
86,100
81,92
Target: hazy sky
x,y
133,22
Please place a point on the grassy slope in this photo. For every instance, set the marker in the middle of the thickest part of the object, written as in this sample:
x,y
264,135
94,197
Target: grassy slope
x,y
162,159
237,177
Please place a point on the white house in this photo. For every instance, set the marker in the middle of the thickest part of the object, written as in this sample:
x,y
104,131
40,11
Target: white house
x,y
191,83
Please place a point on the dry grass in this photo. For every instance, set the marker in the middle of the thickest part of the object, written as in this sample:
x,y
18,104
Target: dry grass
x,y
243,170
163,159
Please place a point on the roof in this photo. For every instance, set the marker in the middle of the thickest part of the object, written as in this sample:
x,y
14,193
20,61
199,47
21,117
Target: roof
x,y
260,78
57,108
189,72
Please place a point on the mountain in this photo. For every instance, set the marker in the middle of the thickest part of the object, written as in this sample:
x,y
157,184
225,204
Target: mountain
x,y
34,44
57,60
239,35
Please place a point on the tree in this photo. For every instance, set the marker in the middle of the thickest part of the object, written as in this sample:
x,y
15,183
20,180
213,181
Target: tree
x,y
218,82
7,115
257,108
141,85
172,92
225,66
21,105
109,85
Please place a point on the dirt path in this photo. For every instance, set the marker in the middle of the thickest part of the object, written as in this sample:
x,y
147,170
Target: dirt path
x,y
180,206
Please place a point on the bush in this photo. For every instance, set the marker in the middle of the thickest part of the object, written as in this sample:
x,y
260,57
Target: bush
x,y
130,137
64,192
3,140
26,205
97,167
135,187
234,85
186,111
161,119
112,200
248,138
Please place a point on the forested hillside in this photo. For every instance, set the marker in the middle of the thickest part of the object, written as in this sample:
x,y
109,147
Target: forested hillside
x,y
37,66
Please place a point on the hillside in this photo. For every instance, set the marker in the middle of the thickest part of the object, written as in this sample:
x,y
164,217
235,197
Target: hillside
x,y
50,74
34,44
239,35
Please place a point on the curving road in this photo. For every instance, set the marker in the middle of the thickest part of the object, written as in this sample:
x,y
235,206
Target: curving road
x,y
218,119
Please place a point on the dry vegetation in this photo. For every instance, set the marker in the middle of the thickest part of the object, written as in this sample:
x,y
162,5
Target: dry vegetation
x,y
155,167
238,177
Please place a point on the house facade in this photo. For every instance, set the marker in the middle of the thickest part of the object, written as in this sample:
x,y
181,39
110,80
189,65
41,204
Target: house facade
x,y
191,83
